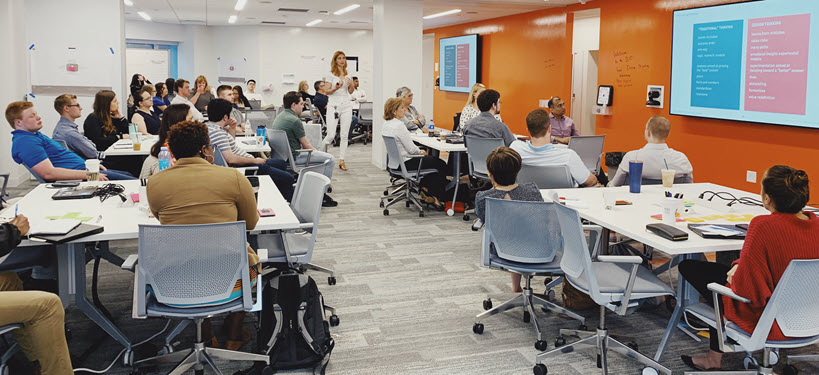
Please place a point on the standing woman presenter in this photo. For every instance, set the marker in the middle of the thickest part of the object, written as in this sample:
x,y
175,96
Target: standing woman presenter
x,y
340,105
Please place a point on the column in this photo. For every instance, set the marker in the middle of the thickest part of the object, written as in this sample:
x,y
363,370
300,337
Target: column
x,y
397,51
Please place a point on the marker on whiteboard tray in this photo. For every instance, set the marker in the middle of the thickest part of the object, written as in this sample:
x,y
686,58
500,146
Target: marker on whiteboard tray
x,y
112,50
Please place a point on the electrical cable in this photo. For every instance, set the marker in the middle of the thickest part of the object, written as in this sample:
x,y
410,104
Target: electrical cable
x,y
123,351
109,190
731,198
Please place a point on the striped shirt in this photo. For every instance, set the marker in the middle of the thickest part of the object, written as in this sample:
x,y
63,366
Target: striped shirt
x,y
220,138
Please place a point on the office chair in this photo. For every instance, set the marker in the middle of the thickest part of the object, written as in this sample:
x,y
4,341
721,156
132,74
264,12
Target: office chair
x,y
63,144
36,176
790,306
280,149
12,349
477,150
188,272
546,176
255,104
365,121
396,166
523,238
682,179
590,150
613,282
219,159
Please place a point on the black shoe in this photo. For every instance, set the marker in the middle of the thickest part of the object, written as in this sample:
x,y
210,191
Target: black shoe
x,y
328,202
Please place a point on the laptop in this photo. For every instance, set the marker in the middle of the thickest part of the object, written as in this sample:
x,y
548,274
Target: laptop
x,y
84,192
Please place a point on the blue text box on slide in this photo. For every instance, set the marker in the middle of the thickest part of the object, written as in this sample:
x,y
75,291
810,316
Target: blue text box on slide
x,y
450,69
717,65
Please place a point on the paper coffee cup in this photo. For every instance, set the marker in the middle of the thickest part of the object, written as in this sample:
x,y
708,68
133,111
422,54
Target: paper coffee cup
x,y
670,206
668,177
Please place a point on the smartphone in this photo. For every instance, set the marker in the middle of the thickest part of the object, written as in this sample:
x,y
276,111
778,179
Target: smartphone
x,y
265,212
64,184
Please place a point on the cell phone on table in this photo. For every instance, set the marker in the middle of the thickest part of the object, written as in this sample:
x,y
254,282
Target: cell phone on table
x,y
265,212
64,184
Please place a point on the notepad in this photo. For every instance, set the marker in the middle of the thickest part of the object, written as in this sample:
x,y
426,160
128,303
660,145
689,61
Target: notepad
x,y
49,227
123,145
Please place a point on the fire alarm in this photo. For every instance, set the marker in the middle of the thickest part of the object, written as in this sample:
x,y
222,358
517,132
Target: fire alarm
x,y
72,67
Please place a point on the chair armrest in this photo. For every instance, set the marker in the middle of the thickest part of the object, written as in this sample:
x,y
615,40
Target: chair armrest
x,y
633,259
595,248
130,262
726,291
5,177
307,150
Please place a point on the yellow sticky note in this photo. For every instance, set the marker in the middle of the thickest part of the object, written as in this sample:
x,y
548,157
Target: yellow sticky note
x,y
737,219
695,220
712,217
732,216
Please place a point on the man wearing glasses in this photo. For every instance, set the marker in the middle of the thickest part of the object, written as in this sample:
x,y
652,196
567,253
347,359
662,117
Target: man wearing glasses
x,y
67,131
289,122
486,125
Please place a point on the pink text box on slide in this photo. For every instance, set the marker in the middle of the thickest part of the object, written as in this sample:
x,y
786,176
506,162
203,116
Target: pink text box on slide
x,y
462,64
779,81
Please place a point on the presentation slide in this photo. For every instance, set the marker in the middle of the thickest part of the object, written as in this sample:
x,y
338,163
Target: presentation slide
x,y
458,58
755,61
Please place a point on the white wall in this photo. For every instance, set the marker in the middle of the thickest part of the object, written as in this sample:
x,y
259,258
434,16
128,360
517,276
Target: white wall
x,y
12,77
585,44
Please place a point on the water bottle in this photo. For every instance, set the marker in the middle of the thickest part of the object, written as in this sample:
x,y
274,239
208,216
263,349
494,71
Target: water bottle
x,y
261,131
431,126
164,159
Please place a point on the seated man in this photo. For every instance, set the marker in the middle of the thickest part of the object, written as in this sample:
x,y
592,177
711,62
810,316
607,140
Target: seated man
x,y
219,110
321,98
183,89
43,337
68,131
45,157
540,151
486,125
654,155
226,92
289,122
562,126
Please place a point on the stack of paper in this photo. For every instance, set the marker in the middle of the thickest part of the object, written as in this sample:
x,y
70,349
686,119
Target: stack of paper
x,y
123,145
52,227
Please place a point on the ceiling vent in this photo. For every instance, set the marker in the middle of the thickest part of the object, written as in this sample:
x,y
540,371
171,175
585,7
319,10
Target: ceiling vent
x,y
294,10
272,22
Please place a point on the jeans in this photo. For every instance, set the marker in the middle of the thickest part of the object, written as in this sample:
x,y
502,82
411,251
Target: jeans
x,y
701,273
318,157
114,175
277,170
352,126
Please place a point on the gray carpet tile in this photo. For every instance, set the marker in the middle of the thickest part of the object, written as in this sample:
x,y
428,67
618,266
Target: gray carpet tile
x,y
407,294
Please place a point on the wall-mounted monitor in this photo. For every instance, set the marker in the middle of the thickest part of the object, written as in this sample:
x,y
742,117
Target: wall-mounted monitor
x,y
460,62
754,61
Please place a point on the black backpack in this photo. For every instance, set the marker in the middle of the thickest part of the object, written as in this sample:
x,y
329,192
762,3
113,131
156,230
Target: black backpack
x,y
293,328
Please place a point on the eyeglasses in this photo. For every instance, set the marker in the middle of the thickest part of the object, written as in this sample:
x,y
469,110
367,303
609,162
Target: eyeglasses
x,y
148,98
73,105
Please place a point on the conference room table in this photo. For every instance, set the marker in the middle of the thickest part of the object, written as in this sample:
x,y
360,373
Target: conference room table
x,y
121,220
631,220
124,147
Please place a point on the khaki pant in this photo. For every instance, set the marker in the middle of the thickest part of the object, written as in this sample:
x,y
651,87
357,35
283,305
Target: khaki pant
x,y
43,337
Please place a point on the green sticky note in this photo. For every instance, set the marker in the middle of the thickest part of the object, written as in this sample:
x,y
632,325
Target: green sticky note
x,y
84,218
72,215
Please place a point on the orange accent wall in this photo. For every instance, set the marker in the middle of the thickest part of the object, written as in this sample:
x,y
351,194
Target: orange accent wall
x,y
527,57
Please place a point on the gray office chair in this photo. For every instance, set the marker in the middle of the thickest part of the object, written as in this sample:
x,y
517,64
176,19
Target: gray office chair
x,y
219,159
523,238
62,143
195,266
12,350
365,121
36,176
4,196
547,176
396,166
790,306
280,149
681,179
590,150
255,104
615,283
477,150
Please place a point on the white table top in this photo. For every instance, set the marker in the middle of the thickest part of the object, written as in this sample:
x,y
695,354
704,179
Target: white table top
x,y
436,143
121,219
148,142
631,220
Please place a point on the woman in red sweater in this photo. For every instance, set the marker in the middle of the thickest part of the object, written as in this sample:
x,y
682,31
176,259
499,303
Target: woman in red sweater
x,y
771,243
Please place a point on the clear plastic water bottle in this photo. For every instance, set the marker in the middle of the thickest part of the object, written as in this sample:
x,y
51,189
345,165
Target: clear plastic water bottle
x,y
164,159
431,126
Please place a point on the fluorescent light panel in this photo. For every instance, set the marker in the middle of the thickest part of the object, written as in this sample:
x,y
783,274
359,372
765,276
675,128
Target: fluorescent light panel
x,y
144,16
232,19
436,15
128,3
240,4
313,22
345,10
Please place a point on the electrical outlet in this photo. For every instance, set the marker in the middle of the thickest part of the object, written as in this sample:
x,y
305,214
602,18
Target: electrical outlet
x,y
750,176
543,103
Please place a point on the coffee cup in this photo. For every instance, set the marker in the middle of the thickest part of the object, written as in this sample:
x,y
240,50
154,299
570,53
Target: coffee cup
x,y
670,206
92,170
668,177
609,200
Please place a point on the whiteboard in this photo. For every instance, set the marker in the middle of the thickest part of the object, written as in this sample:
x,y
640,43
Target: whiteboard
x,y
154,64
93,66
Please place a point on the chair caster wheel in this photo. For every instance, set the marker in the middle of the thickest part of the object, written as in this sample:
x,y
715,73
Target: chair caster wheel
x,y
450,212
407,204
633,345
167,349
330,189
526,317
386,212
790,370
599,361
774,357
478,328
487,304
541,345
582,327
199,372
466,217
331,280
560,341
670,303
750,363
128,358
334,320
540,369
546,281
386,193
421,214
650,371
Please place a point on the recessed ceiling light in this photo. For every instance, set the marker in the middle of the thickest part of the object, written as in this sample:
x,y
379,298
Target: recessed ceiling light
x,y
436,15
232,19
240,4
144,16
313,22
128,3
347,9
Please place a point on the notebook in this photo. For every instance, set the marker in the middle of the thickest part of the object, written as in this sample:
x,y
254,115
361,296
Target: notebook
x,y
51,227
721,231
80,231
75,193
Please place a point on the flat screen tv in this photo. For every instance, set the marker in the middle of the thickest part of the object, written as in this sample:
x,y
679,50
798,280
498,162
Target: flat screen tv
x,y
460,62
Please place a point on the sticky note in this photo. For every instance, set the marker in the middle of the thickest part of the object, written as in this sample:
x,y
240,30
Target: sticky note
x,y
72,215
695,220
84,218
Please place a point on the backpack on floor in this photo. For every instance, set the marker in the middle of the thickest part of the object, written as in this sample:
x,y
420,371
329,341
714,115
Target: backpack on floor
x,y
293,328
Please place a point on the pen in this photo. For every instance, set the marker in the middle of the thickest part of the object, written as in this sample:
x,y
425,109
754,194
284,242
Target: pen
x,y
99,217
16,207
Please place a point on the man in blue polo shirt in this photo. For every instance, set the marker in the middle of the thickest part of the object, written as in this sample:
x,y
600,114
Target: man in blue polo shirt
x,y
43,155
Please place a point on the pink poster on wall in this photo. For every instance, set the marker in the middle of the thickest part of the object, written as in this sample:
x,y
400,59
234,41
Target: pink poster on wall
x,y
776,70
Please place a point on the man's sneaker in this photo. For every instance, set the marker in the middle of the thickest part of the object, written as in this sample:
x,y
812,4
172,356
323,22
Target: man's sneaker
x,y
328,202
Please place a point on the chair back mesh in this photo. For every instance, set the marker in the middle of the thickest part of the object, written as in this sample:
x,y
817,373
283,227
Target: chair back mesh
x,y
307,199
365,111
218,158
590,150
193,264
478,150
576,261
394,159
317,168
796,300
547,176
33,173
279,146
525,232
